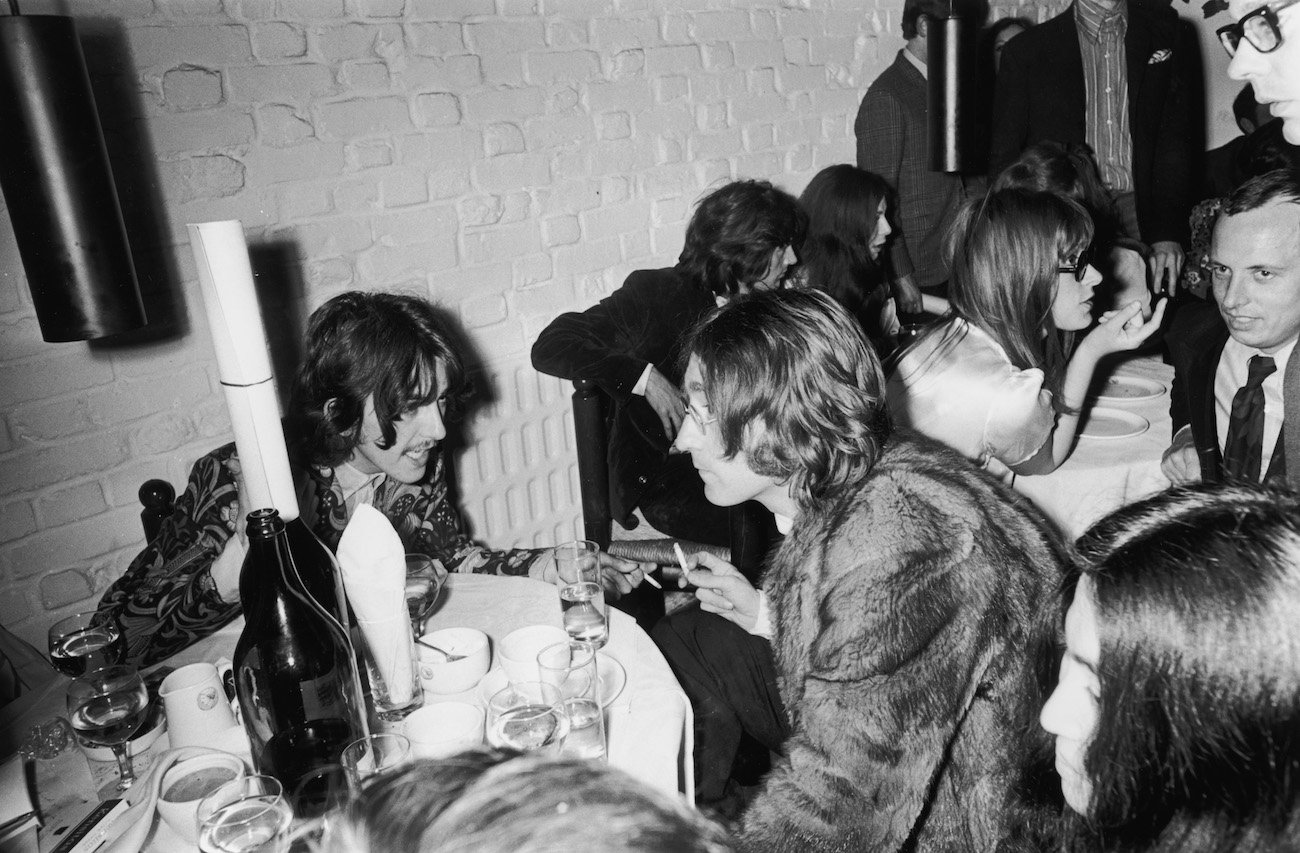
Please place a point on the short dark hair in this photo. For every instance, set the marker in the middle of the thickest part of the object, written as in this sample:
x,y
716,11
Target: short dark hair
x,y
914,9
496,801
842,203
361,345
796,365
1197,743
734,232
1277,185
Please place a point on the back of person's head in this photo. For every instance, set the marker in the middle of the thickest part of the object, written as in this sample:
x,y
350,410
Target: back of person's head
x,y
1197,600
493,801
794,383
734,232
1005,251
364,346
1279,185
841,202
914,9
1067,169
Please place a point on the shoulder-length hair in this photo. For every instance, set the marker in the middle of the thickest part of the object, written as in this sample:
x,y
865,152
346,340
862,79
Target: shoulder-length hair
x,y
794,383
1005,252
734,232
1067,169
842,203
360,346
1197,745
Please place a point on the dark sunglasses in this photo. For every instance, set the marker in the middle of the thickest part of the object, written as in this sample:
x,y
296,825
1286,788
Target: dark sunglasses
x,y
1080,266
1260,28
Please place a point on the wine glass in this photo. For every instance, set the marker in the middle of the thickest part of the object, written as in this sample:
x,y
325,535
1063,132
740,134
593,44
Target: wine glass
x,y
85,641
105,707
245,815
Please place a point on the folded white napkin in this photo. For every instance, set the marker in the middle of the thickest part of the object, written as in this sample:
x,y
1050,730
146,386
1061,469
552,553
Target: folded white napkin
x,y
373,561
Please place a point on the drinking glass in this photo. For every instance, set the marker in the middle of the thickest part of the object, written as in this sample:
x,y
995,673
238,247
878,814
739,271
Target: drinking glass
x,y
572,668
105,707
582,598
374,754
529,717
424,579
85,641
247,815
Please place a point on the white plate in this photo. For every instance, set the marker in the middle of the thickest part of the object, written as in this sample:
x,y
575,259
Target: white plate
x,y
611,673
1105,423
1121,388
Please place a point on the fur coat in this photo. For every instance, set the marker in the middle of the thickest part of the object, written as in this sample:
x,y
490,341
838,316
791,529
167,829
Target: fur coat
x,y
903,610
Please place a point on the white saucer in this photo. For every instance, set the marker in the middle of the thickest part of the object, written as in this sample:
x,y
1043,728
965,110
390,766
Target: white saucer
x,y
611,673
1105,424
1122,388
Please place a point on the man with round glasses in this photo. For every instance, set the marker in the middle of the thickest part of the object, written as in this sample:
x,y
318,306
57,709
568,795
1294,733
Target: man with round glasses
x,y
1264,44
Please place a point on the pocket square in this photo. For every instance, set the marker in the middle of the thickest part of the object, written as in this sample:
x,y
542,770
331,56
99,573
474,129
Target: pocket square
x,y
1160,56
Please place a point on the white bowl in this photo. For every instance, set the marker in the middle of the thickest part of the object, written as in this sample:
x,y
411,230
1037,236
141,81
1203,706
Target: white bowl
x,y
518,651
443,729
439,675
182,814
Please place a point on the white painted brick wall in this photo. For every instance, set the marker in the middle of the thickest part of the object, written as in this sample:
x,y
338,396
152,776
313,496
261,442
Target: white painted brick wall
x,y
510,158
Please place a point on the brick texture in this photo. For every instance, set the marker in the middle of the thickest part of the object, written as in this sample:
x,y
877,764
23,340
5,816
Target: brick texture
x,y
513,159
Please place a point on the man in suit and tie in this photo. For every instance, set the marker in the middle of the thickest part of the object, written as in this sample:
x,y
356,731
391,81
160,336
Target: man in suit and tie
x,y
1235,401
1122,76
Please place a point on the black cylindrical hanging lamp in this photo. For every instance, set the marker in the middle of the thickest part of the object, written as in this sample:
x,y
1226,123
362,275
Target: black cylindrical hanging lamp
x,y
950,75
56,179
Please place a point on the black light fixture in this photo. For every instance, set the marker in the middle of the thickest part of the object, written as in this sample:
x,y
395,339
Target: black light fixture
x,y
56,179
950,75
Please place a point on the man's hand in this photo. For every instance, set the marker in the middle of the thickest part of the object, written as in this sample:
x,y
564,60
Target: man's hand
x,y
1181,463
1166,259
723,590
619,576
907,296
666,399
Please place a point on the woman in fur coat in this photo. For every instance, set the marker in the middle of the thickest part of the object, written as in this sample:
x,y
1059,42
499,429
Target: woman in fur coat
x,y
899,608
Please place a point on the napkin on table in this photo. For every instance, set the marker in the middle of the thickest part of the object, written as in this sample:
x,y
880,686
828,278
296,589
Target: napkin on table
x,y
373,561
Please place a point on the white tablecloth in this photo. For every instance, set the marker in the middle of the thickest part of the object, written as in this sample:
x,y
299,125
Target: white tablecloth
x,y
651,727
1104,474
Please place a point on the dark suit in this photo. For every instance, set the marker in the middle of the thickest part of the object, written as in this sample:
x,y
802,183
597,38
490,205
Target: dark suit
x,y
1041,96
892,142
1196,338
643,321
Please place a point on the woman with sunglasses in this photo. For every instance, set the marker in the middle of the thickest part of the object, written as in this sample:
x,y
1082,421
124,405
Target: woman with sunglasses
x,y
996,380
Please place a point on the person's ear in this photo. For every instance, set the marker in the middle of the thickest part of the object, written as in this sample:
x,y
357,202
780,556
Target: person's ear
x,y
922,25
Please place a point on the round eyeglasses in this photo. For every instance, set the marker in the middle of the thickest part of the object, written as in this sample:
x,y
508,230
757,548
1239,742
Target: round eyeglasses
x,y
701,420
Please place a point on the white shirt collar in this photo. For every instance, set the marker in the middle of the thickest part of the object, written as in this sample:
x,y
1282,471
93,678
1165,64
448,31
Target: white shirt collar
x,y
783,523
351,481
916,63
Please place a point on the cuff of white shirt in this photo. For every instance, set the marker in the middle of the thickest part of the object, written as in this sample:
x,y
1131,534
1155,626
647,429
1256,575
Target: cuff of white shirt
x,y
227,566
639,387
763,621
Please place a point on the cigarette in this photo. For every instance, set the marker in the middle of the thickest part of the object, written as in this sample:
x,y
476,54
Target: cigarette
x,y
654,583
681,561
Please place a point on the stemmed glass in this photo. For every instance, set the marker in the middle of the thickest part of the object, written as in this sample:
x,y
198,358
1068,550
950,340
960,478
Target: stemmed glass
x,y
106,707
246,815
85,641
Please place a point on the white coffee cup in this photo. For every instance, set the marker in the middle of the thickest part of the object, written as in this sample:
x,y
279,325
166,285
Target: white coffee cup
x,y
179,807
443,729
518,650
196,705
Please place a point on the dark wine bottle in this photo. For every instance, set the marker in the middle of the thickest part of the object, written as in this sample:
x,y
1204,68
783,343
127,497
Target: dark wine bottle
x,y
318,568
295,670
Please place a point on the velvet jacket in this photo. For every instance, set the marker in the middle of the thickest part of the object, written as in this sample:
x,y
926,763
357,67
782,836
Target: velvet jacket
x,y
903,611
1041,96
166,599
611,342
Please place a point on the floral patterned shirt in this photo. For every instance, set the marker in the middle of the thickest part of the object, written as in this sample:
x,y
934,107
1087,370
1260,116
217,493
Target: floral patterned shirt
x,y
166,600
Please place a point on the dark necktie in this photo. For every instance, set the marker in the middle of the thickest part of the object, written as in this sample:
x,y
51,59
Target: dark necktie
x,y
1244,446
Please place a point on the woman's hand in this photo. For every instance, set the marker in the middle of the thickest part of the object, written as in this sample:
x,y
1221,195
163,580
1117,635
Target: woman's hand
x,y
1123,329
722,589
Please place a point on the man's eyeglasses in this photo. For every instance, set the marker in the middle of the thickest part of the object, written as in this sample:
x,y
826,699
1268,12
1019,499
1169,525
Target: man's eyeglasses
x,y
701,420
1079,267
1260,28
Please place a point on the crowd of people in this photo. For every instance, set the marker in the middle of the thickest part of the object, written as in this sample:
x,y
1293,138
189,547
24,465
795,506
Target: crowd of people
x,y
925,664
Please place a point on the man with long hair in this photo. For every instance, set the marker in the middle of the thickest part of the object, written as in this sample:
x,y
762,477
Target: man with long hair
x,y
887,655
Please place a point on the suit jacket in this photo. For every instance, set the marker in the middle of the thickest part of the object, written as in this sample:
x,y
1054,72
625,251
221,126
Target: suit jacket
x,y
902,611
1041,96
893,143
643,321
1196,338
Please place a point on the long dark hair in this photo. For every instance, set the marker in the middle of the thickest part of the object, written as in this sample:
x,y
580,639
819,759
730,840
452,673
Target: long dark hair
x,y
1005,251
1068,169
1197,744
361,345
842,203
735,230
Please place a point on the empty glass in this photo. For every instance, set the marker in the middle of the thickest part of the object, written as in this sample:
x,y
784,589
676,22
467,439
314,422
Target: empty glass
x,y
373,754
529,717
572,668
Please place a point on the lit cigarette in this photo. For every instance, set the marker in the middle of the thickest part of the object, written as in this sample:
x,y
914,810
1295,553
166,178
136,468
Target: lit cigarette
x,y
681,560
654,583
